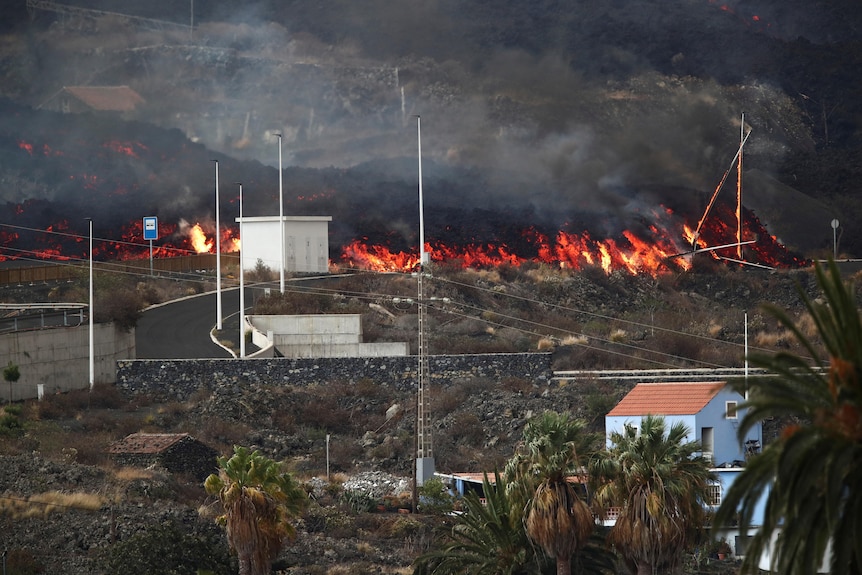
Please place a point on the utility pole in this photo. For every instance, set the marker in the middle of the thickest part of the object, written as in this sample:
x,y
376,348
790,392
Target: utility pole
x,y
241,282
92,361
424,452
218,252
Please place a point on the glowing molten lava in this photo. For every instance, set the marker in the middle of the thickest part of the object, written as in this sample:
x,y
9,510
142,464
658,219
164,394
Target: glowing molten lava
x,y
568,250
652,250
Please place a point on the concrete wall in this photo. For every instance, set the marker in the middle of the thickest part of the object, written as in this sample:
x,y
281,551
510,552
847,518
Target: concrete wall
x,y
327,335
58,358
177,379
306,243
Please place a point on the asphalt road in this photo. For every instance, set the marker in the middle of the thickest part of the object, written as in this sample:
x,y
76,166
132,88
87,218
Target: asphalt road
x,y
181,329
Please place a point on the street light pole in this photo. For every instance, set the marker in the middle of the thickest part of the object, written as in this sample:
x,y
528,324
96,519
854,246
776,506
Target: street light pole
x,y
92,362
280,216
835,225
218,253
241,282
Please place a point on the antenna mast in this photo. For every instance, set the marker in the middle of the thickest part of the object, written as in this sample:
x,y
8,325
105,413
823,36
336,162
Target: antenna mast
x,y
739,189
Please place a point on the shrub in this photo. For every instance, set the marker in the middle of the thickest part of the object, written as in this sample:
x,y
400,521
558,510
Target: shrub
x,y
123,307
467,428
358,501
169,547
328,520
22,562
434,497
10,424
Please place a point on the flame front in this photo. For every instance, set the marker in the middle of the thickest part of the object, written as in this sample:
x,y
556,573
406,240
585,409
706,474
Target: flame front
x,y
568,250
199,241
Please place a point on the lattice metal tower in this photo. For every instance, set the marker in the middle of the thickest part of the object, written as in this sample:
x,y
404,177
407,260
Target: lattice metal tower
x,y
424,449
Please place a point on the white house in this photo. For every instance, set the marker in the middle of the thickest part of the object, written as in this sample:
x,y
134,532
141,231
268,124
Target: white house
x,y
306,243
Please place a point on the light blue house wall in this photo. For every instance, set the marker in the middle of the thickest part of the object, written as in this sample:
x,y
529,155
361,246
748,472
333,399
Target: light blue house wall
x,y
726,446
616,423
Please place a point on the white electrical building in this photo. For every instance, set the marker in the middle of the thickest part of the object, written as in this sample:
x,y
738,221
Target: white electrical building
x,y
306,243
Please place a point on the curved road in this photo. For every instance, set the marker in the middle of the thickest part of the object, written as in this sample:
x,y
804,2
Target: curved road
x,y
181,329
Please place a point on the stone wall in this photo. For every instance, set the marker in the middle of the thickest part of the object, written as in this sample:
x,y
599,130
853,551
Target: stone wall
x,y
178,379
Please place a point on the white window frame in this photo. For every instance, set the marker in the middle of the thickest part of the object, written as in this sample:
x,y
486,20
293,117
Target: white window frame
x,y
714,493
727,409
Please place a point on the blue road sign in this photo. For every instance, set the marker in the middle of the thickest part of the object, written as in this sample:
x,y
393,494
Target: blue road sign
x,y
151,228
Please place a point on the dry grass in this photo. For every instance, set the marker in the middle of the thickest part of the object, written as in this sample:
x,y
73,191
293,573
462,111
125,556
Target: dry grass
x,y
772,339
714,329
545,344
617,335
44,504
574,340
127,474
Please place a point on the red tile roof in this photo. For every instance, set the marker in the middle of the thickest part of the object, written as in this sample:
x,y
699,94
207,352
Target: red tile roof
x,y
107,98
146,442
667,398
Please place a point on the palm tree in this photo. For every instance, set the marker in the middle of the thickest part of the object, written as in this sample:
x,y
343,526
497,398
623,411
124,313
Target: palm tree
x,y
259,501
488,538
557,518
811,476
660,484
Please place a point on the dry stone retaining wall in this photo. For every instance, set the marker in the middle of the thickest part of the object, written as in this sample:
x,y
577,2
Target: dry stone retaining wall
x,y
177,379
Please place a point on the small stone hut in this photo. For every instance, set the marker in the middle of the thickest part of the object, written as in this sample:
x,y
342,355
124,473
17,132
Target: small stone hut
x,y
175,452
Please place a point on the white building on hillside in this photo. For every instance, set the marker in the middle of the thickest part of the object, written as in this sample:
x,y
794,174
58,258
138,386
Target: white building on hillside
x,y
306,243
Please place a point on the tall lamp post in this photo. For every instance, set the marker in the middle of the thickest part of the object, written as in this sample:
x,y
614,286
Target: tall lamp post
x,y
92,362
218,253
280,216
241,283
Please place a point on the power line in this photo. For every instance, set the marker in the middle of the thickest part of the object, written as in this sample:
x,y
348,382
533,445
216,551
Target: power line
x,y
97,239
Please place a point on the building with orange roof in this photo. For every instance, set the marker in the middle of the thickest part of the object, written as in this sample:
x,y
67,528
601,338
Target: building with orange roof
x,y
108,99
174,452
708,409
711,411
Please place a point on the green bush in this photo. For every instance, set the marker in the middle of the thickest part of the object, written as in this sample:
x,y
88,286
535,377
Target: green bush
x,y
358,501
434,497
13,409
10,425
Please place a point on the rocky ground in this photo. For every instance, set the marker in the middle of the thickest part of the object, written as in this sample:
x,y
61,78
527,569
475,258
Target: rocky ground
x,y
57,445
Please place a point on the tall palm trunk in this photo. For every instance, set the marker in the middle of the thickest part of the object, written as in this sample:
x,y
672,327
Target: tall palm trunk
x,y
564,566
644,568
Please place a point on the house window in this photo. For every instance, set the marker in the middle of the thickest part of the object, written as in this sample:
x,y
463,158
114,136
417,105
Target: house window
x,y
713,495
707,441
730,409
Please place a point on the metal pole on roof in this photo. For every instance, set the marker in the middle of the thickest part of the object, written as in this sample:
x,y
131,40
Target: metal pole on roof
x,y
280,216
746,356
